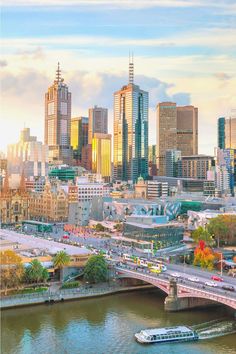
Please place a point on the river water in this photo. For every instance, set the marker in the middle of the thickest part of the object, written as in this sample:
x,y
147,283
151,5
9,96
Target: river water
x,y
104,326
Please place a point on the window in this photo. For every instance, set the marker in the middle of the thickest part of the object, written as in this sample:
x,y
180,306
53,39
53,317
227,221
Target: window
x,y
51,108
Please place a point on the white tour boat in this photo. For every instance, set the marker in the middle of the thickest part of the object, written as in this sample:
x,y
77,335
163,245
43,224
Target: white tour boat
x,y
166,334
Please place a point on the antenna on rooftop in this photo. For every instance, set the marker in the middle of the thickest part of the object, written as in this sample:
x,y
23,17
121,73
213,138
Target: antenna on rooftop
x,y
131,68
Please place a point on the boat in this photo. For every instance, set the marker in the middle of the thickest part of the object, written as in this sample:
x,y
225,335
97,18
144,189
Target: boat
x,y
166,334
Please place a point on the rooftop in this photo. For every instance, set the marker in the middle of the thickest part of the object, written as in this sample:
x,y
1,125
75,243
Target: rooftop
x,y
22,243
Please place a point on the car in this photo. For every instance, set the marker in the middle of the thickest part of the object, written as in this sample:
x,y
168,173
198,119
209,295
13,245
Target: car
x,y
228,287
216,278
194,279
211,283
175,275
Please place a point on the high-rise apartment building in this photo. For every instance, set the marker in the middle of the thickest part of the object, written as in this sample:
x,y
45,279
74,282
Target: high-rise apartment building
x,y
130,132
79,137
98,121
221,132
58,120
101,155
28,155
173,163
177,129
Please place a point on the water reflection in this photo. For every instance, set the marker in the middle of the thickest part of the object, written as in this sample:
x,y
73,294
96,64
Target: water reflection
x,y
100,325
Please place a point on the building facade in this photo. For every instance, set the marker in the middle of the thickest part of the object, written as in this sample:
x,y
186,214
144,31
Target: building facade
x,y
130,156
28,155
152,160
98,121
51,205
58,120
173,163
196,166
79,137
14,203
221,132
230,133
101,155
177,129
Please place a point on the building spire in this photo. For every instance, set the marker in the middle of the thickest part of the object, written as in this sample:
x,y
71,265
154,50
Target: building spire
x,y
131,68
58,73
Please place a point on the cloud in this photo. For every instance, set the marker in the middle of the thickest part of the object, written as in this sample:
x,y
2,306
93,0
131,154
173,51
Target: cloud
x,y
126,4
223,76
3,63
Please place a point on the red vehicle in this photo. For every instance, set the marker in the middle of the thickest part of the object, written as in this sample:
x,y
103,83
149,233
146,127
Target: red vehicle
x,y
65,236
216,278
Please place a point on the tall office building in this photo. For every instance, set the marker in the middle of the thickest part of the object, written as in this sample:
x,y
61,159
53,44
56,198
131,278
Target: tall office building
x,y
177,129
166,132
187,130
79,137
230,133
101,155
196,166
58,120
152,160
221,132
98,122
130,131
173,163
28,155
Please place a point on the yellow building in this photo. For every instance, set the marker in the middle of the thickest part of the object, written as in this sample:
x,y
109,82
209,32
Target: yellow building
x,y
51,205
101,155
14,203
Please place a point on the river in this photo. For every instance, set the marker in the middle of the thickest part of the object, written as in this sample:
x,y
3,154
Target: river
x,y
104,326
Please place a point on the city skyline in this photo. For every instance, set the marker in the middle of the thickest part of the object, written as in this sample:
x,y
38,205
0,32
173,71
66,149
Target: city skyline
x,y
173,63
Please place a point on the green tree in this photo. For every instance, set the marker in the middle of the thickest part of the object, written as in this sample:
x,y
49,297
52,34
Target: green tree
x,y
61,260
217,228
202,233
96,269
99,227
35,272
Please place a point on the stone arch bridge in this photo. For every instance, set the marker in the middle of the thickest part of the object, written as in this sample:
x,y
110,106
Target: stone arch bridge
x,y
182,295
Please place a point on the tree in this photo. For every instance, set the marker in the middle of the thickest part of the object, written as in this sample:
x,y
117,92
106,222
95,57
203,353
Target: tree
x,y
99,227
60,260
11,270
217,228
118,227
202,233
96,269
204,256
35,272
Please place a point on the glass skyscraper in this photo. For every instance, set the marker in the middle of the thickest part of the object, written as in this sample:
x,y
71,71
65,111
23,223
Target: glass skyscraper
x,y
79,136
221,132
130,132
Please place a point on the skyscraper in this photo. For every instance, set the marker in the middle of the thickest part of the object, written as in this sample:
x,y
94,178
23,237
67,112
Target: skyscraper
x,y
130,131
101,155
221,132
58,120
28,155
230,133
187,130
97,121
166,132
79,137
177,129
173,163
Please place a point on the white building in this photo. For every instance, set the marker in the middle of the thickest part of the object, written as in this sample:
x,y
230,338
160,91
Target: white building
x,y
28,155
157,189
87,190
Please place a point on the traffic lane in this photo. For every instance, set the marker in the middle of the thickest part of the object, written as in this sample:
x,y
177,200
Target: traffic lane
x,y
198,272
197,285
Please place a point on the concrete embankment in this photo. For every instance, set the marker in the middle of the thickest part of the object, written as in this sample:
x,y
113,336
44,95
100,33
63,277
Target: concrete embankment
x,y
64,295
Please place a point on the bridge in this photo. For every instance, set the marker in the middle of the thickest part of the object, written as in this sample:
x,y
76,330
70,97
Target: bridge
x,y
181,294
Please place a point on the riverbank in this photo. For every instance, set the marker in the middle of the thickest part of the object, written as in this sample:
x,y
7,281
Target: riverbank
x,y
65,295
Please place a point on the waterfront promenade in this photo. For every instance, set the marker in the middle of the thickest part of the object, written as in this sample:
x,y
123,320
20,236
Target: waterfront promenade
x,y
49,297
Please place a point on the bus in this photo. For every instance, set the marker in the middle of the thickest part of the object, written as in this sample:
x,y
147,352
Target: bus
x,y
38,226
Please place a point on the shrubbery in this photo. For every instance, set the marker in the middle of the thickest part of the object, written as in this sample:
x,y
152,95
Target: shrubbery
x,y
71,285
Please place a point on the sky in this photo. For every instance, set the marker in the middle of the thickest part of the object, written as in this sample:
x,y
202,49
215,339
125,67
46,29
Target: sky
x,y
184,51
